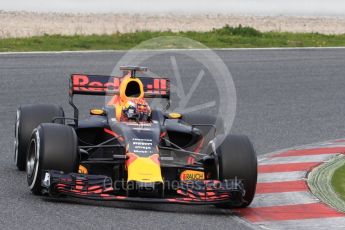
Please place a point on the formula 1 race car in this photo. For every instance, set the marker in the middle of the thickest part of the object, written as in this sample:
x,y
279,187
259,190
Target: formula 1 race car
x,y
127,152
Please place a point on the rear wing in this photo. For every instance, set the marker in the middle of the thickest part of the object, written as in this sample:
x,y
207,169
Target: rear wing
x,y
108,85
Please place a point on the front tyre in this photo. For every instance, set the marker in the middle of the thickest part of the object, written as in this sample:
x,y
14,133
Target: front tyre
x,y
52,147
237,159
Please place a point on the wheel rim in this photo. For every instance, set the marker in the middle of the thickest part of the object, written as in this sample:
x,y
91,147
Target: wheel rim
x,y
32,159
16,139
32,162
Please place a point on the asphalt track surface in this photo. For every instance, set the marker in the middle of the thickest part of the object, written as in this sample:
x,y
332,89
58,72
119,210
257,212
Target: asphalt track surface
x,y
284,98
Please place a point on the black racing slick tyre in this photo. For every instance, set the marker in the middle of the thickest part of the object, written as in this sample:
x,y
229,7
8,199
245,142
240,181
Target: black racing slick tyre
x,y
27,119
52,147
237,159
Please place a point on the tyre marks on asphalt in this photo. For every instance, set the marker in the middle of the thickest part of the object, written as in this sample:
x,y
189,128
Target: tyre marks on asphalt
x,y
283,199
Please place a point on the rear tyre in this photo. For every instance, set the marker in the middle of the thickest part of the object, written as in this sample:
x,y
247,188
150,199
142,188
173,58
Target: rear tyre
x,y
28,118
237,159
52,147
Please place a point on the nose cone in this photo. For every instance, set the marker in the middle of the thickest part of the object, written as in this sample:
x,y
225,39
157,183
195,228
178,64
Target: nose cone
x,y
144,169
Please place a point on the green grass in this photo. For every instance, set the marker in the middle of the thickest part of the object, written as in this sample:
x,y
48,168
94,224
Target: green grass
x,y
226,37
338,182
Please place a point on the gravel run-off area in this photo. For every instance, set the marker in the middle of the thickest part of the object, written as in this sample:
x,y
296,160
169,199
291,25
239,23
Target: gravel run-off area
x,y
26,24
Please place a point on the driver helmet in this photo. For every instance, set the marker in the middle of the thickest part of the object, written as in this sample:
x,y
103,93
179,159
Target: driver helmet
x,y
136,109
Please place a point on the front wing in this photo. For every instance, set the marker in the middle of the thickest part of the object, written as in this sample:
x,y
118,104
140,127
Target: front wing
x,y
98,187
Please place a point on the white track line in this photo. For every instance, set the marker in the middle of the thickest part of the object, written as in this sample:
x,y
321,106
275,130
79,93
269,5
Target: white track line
x,y
281,176
297,159
283,198
336,223
168,50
